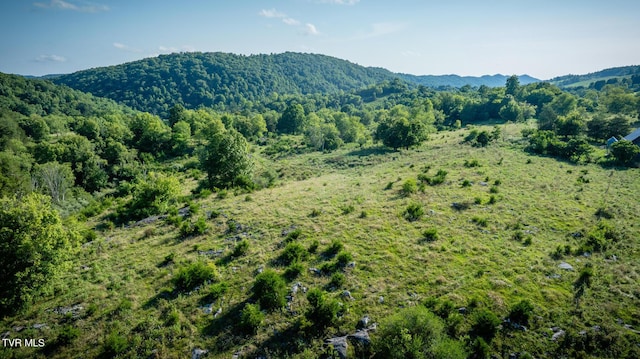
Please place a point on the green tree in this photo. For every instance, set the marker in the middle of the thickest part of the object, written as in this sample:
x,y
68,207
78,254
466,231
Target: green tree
x,y
292,120
226,160
570,125
512,87
14,174
397,129
180,137
625,152
151,196
35,245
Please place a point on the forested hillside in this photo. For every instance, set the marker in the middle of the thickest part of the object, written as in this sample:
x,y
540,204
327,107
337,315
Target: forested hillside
x,y
627,75
220,80
385,221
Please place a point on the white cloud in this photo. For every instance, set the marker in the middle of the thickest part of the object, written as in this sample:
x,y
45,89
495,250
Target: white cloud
x,y
67,5
310,29
50,58
124,47
290,21
271,13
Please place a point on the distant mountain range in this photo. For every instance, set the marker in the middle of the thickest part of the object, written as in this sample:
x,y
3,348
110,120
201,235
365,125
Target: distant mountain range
x,y
611,74
224,79
436,81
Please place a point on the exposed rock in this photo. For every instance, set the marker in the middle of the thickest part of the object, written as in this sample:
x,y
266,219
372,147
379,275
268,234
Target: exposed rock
x,y
565,265
198,353
211,253
315,271
554,276
557,335
207,309
351,264
361,337
381,299
363,322
462,310
74,310
347,295
39,326
484,184
218,312
18,328
339,346
5,335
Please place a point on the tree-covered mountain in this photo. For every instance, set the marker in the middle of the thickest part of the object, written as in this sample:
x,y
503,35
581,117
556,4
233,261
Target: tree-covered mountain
x,y
220,79
224,80
629,75
460,81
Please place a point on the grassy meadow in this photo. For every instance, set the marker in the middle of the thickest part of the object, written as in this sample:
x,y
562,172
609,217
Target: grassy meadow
x,y
492,233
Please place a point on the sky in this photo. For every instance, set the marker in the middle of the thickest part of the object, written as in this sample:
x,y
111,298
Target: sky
x,y
541,38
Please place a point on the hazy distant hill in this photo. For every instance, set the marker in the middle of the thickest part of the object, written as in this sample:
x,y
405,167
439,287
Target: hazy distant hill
x,y
459,81
600,78
210,79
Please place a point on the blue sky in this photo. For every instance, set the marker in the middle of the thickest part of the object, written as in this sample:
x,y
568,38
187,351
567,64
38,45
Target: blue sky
x,y
541,38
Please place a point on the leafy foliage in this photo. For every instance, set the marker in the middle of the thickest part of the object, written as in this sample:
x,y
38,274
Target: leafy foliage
x,y
270,290
35,245
194,274
226,160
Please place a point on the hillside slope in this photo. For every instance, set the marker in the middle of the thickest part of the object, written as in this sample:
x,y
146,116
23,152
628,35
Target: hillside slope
x,y
459,81
215,79
611,75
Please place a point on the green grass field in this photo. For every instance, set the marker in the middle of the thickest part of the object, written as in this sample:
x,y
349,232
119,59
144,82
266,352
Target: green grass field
x,y
496,234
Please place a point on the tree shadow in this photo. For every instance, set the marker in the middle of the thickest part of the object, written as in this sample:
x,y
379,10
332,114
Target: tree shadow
x,y
371,151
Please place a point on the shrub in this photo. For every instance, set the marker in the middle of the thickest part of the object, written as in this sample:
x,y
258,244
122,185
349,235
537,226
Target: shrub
x,y
313,247
484,324
466,183
527,241
430,235
413,212
343,258
435,180
115,344
335,247
323,311
315,213
251,318
188,229
240,249
348,209
472,163
409,187
293,252
293,235
194,274
414,332
364,214
293,271
492,199
216,291
270,290
337,280
67,335
482,222
494,189
521,312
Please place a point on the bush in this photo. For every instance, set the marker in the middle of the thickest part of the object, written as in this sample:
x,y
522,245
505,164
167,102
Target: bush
x,y
430,234
293,253
293,235
409,187
270,290
466,183
251,318
115,344
240,249
348,209
315,213
414,332
484,324
215,292
293,271
313,247
67,335
521,312
472,163
343,258
194,274
337,280
335,247
436,180
323,311
482,222
188,229
413,212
